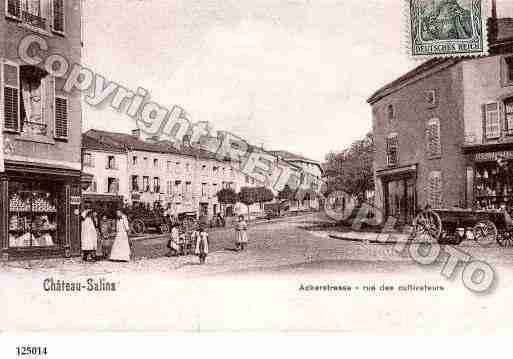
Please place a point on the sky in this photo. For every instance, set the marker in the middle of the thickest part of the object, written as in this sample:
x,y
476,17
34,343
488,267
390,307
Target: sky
x,y
286,74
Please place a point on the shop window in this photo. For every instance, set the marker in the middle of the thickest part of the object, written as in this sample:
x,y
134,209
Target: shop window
x,y
492,128
434,146
88,160
434,189
392,145
33,214
508,116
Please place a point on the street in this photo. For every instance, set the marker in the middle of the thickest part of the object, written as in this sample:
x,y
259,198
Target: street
x,y
257,289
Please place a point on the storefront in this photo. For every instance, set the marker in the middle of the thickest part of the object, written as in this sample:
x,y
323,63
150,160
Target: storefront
x,y
39,211
490,177
399,192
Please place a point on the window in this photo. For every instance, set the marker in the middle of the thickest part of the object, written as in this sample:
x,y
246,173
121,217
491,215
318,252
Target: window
x,y
88,160
134,160
434,189
434,146
187,167
215,170
93,187
112,185
11,97
491,120
61,117
59,23
145,160
169,187
146,184
204,168
204,190
508,70
508,116
392,149
111,162
135,183
177,191
168,165
390,112
431,98
155,163
156,184
34,214
247,179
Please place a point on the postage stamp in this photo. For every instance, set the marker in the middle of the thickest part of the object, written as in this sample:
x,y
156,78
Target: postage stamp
x,y
442,28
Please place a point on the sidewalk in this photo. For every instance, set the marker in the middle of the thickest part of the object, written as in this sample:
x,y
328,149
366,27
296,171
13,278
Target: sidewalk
x,y
372,237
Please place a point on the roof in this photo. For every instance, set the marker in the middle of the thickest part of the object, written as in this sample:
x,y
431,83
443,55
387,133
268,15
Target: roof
x,y
504,34
114,141
289,156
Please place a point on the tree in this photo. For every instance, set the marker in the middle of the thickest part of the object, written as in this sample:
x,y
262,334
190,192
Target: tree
x,y
351,170
227,196
248,196
263,194
286,193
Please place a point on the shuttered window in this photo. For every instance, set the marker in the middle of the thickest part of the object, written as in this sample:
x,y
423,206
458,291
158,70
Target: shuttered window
x,y
508,116
14,8
392,150
11,98
434,189
61,117
434,146
58,16
492,126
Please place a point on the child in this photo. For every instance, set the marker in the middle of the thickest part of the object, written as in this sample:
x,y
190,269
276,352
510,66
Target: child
x,y
202,245
241,234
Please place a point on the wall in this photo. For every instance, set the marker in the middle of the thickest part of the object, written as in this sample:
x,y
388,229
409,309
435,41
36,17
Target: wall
x,y
102,173
411,116
56,152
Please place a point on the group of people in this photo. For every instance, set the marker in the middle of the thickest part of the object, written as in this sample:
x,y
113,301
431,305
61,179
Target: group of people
x,y
120,252
91,240
199,239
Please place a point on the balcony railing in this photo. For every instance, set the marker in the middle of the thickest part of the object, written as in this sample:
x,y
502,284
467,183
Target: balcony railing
x,y
34,20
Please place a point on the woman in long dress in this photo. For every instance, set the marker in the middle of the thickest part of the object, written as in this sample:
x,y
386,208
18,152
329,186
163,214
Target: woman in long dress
x,y
121,248
89,236
241,233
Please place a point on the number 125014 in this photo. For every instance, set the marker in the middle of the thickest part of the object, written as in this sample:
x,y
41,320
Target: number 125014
x,y
30,350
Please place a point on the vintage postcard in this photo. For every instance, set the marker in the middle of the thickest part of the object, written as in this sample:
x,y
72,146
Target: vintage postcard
x,y
448,27
255,166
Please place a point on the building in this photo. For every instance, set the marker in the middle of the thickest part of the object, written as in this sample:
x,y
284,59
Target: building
x,y
443,132
184,180
41,127
310,178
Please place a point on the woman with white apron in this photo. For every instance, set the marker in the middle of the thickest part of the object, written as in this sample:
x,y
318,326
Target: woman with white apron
x,y
121,248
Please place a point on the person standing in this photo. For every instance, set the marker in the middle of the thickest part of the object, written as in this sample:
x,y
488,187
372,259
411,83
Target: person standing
x,y
202,245
89,236
174,241
241,233
120,251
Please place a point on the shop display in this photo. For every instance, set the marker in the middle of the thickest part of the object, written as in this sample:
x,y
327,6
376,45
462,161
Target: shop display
x,y
494,185
32,219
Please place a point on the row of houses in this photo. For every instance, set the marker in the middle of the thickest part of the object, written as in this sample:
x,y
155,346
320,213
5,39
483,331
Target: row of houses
x,y
444,132
48,167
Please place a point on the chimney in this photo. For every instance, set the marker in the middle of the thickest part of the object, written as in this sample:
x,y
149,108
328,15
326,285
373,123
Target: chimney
x,y
136,133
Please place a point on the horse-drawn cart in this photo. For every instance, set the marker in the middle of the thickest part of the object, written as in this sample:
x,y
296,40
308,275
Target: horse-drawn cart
x,y
455,225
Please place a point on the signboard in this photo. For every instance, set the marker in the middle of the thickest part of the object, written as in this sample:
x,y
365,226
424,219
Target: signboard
x,y
493,156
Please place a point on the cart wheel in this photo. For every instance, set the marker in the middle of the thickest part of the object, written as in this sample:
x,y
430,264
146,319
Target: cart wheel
x,y
164,228
485,233
505,239
428,223
138,227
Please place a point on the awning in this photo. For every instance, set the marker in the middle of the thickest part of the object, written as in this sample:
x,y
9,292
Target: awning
x,y
41,168
102,198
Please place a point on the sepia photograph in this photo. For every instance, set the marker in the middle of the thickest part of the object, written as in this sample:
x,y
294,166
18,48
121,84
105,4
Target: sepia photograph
x,y
256,166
